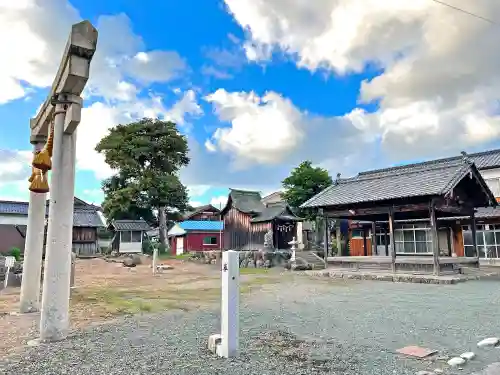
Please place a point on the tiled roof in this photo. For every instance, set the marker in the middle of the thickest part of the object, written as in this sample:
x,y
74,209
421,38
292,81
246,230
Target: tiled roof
x,y
14,208
200,209
433,179
82,216
122,225
482,160
202,225
248,202
87,218
275,211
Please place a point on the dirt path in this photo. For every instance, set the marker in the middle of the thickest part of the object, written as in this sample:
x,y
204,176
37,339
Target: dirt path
x,y
103,291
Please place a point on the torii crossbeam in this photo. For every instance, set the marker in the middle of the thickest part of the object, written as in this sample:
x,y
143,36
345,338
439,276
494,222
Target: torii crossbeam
x,y
53,135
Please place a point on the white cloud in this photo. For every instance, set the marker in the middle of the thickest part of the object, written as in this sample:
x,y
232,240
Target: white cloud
x,y
270,130
15,166
120,69
197,190
439,79
195,203
219,201
264,130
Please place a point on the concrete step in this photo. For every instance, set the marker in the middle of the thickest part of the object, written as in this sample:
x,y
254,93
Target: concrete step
x,y
311,258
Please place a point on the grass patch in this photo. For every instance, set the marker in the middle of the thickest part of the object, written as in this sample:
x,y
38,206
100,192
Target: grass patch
x,y
170,256
254,271
114,302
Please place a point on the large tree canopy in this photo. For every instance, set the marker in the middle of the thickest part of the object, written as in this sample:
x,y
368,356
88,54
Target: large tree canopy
x,y
304,182
147,156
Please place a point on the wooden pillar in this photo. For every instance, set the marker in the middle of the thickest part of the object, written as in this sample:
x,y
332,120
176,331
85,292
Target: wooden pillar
x,y
450,241
434,236
391,239
338,235
474,237
386,241
365,250
374,238
325,243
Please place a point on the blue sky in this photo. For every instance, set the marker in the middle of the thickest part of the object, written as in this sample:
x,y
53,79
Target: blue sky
x,y
258,86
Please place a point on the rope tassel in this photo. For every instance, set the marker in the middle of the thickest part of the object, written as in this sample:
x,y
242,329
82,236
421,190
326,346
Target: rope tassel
x,y
38,181
42,159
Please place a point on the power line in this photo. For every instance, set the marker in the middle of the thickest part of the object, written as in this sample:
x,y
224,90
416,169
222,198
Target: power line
x,y
465,11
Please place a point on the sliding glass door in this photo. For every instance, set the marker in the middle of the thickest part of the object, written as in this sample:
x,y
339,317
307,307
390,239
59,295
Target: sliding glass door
x,y
488,241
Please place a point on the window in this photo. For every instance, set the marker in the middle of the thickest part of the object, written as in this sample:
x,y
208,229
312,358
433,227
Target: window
x,y
494,185
126,236
487,240
413,239
131,236
136,236
357,233
210,241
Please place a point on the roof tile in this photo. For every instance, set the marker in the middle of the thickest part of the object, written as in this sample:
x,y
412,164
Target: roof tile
x,y
434,179
202,225
123,225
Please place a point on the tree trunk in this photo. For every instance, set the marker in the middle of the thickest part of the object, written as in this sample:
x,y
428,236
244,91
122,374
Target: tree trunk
x,y
162,227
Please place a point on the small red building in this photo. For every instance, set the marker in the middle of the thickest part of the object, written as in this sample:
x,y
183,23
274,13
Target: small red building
x,y
196,235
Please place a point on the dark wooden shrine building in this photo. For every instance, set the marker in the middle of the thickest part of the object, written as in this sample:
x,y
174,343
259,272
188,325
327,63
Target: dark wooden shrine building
x,y
429,198
247,219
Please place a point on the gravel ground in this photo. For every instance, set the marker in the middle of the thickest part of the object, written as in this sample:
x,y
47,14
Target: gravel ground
x,y
304,326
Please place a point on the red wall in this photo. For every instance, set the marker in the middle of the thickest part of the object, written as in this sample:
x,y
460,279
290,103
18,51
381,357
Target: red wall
x,y
193,241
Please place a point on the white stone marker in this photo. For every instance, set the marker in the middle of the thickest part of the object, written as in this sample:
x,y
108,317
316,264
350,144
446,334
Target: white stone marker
x,y
294,244
9,263
155,260
230,305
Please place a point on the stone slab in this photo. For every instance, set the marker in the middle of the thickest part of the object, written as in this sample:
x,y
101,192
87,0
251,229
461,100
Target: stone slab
x,y
416,351
381,275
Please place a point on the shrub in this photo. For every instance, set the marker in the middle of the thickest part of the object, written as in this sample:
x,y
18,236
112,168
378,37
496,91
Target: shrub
x,y
147,247
16,253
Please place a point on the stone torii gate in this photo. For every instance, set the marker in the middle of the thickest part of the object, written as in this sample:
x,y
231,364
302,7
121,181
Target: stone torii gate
x,y
53,135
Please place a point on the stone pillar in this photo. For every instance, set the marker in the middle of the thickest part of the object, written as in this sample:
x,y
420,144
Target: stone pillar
x,y
338,235
391,239
230,314
73,266
32,265
435,239
155,260
54,322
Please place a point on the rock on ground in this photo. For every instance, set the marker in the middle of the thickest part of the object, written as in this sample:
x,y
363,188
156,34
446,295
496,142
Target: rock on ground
x,y
468,356
490,341
456,361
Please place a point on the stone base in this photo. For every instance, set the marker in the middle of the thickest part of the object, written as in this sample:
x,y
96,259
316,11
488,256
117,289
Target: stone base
x,y
393,277
214,342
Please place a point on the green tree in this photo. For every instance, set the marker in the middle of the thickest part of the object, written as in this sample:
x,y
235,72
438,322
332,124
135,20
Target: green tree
x,y
304,182
147,156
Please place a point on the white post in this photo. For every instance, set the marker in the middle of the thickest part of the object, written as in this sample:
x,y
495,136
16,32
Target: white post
x,y
230,304
155,260
54,321
32,264
9,263
294,243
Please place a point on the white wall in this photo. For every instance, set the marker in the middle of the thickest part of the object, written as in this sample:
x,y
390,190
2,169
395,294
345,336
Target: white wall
x,y
130,247
490,173
14,219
